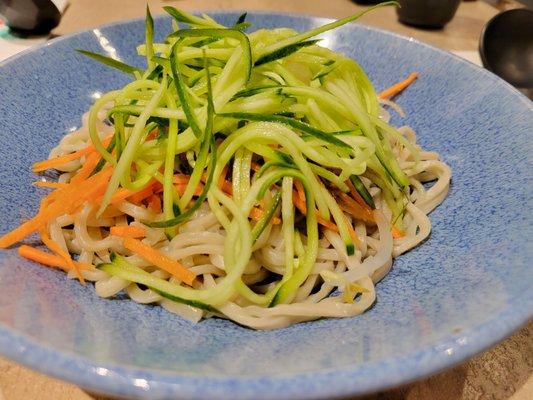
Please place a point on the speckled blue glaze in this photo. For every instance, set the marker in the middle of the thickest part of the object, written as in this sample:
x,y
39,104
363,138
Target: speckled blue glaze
x,y
467,287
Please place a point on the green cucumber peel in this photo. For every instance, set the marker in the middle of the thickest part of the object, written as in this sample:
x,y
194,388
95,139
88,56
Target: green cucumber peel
x,y
149,37
208,143
121,268
284,52
324,28
363,191
110,62
293,123
186,18
260,225
182,93
220,34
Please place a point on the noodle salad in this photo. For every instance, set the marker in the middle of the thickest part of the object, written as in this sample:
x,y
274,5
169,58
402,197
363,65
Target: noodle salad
x,y
253,177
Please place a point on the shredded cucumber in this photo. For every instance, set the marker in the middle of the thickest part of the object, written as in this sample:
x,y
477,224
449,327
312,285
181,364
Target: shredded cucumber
x,y
223,101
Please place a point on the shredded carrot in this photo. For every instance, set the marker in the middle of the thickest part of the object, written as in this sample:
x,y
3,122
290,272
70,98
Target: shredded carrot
x,y
255,167
300,205
154,203
123,193
90,164
50,185
353,208
396,233
56,248
152,135
180,189
357,197
20,232
299,189
127,231
57,161
160,260
181,179
62,201
398,87
51,260
222,183
111,212
256,213
141,195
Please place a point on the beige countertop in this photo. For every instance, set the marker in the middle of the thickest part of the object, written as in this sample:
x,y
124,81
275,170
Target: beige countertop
x,y
503,373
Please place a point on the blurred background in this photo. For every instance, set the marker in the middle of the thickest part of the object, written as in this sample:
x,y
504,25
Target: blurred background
x,y
495,33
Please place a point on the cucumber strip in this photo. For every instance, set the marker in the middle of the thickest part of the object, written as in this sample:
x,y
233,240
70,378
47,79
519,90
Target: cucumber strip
x,y
183,94
169,194
253,91
241,19
288,289
149,38
120,268
340,221
207,144
269,212
321,29
362,190
182,16
287,227
223,33
110,62
293,123
284,52
131,146
102,161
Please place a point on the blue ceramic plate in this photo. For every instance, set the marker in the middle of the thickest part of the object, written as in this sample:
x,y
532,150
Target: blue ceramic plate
x,y
467,287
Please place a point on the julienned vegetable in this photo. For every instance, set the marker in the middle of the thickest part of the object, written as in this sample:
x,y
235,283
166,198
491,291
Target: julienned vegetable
x,y
245,175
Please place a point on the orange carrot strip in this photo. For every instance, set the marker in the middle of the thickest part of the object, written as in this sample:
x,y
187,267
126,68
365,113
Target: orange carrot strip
x,y
51,260
396,233
398,87
122,193
127,231
152,135
20,232
300,205
160,260
355,194
299,189
180,189
256,214
141,195
50,185
354,208
56,248
154,203
61,201
222,178
57,161
90,164
181,179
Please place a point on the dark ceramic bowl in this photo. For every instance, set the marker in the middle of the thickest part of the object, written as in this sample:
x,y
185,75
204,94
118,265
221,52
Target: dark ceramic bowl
x,y
427,13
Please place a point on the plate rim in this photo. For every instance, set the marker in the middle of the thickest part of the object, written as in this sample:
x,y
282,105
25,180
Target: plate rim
x,y
134,382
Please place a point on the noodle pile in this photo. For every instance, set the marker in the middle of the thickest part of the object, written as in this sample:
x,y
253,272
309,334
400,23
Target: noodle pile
x,y
278,183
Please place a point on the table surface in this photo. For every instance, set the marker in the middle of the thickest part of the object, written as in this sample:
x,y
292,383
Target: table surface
x,y
505,372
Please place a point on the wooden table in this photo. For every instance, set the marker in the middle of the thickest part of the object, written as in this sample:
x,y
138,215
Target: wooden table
x,y
504,372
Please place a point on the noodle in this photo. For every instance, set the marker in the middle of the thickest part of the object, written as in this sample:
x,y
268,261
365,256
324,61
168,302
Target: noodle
x,y
279,195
